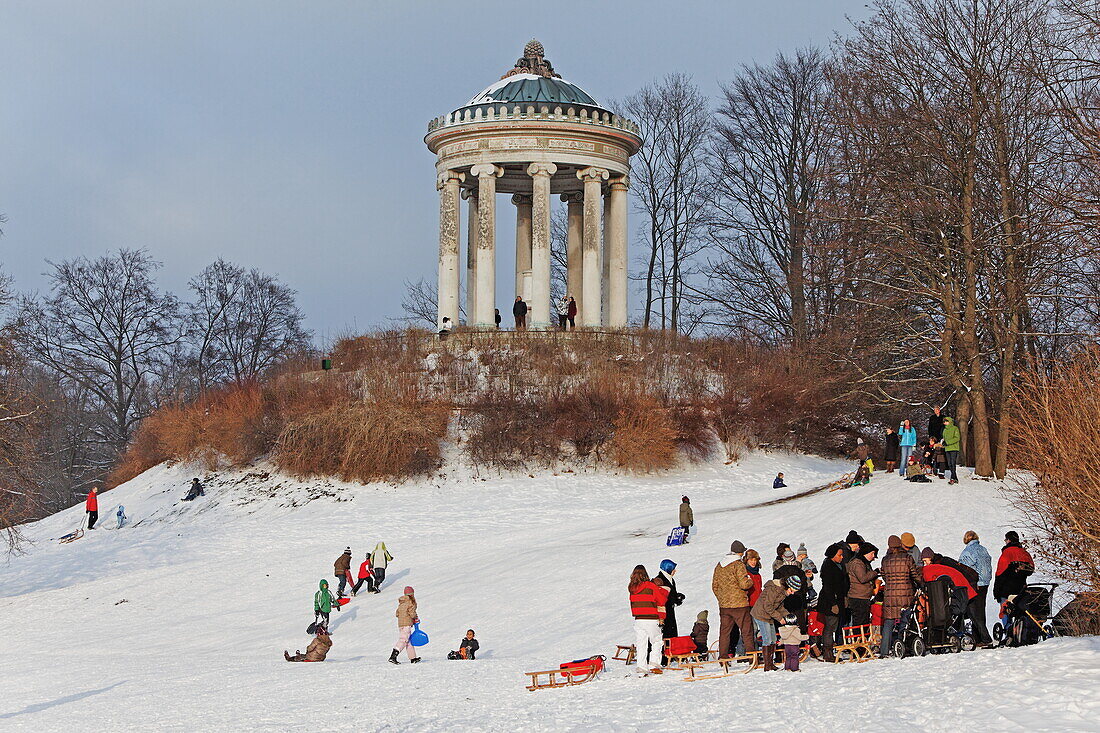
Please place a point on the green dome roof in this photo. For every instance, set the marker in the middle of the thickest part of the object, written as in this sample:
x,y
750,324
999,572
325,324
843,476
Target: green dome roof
x,y
534,89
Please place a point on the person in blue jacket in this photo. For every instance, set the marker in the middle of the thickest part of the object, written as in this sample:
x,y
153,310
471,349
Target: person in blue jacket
x,y
907,436
977,557
778,483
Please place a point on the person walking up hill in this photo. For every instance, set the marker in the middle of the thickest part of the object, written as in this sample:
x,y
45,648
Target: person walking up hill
x,y
687,517
379,559
91,506
406,618
323,601
342,570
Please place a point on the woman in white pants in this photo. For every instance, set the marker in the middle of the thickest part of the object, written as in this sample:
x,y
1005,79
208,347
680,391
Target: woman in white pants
x,y
647,606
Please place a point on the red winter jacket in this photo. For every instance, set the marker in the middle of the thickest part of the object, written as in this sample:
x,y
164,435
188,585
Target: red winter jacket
x,y
1011,554
757,585
648,600
365,570
92,504
933,571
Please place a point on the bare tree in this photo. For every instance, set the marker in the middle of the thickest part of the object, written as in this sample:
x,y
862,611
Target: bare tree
x,y
102,328
420,304
670,180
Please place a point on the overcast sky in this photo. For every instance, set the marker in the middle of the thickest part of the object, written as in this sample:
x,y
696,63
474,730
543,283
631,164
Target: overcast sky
x,y
289,135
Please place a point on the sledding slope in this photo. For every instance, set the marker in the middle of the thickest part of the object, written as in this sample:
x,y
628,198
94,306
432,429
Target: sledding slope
x,y
215,589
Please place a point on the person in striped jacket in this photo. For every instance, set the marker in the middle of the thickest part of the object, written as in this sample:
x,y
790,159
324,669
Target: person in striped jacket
x,y
647,606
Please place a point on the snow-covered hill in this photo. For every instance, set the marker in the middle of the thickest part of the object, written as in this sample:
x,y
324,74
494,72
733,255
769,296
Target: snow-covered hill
x,y
178,622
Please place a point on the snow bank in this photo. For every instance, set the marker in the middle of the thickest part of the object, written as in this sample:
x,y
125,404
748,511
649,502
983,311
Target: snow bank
x,y
178,622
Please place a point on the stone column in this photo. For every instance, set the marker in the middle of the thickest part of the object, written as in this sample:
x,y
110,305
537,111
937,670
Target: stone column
x,y
616,253
523,238
487,175
593,206
605,261
573,255
540,244
447,286
471,255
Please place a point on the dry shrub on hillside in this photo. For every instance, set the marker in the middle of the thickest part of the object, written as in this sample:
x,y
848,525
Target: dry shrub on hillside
x,y
511,433
694,434
364,441
1055,435
585,417
645,437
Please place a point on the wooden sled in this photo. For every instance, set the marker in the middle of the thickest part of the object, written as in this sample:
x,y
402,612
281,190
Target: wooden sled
x,y
560,678
718,668
843,482
859,644
71,537
624,653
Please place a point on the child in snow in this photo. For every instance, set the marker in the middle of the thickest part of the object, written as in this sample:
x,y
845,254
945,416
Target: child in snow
x,y
379,559
323,601
700,631
467,649
366,576
120,515
791,638
687,517
915,472
406,618
317,649
195,491
778,483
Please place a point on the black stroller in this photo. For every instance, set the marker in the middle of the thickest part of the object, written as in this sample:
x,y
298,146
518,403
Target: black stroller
x,y
1027,616
943,629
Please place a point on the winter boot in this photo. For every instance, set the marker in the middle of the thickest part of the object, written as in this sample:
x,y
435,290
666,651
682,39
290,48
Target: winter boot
x,y
286,655
414,660
769,658
393,657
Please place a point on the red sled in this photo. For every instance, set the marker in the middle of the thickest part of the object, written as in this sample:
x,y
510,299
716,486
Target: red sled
x,y
343,601
583,667
679,645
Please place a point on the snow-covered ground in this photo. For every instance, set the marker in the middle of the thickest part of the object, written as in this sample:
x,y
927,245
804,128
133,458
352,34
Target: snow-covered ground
x,y
179,621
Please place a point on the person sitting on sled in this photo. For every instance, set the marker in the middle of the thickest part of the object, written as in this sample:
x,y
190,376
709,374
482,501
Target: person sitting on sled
x,y
778,482
195,491
467,649
317,649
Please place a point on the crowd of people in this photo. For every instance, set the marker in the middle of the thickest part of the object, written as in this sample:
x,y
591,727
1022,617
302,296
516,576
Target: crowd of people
x,y
758,612
565,308
936,456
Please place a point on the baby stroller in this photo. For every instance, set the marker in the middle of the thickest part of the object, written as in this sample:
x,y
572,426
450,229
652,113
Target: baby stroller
x,y
935,622
1026,616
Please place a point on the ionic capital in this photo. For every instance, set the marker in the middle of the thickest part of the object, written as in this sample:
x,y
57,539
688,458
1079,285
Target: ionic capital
x,y
448,175
593,174
541,169
621,183
576,197
469,193
486,169
521,199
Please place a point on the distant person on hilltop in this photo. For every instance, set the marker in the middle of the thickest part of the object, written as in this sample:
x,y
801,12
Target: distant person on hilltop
x,y
572,312
91,506
445,328
379,559
519,311
496,316
195,491
563,312
687,517
778,482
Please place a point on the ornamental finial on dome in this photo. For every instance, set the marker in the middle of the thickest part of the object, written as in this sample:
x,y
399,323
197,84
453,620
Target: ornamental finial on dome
x,y
533,62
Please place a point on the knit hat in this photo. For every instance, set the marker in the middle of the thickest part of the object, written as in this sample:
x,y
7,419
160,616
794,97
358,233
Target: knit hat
x,y
668,566
347,550
1012,536
737,546
893,541
408,590
793,581
790,619
788,555
907,539
867,548
802,550
808,566
832,550
702,616
685,500
853,538
926,553
859,441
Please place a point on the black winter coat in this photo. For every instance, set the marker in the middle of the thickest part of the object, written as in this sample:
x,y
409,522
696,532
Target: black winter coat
x,y
968,572
519,309
834,588
935,427
892,448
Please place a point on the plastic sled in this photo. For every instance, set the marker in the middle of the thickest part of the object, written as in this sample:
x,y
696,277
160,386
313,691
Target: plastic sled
x,y
418,637
675,537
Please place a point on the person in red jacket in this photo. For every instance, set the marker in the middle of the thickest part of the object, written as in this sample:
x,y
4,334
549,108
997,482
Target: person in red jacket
x,y
933,570
647,606
91,505
365,575
1013,568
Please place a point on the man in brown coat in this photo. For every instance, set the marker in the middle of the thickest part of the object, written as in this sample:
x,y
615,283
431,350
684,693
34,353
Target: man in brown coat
x,y
902,580
861,583
316,651
340,569
731,585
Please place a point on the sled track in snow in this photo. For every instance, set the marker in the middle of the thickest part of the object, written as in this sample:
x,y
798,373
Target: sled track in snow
x,y
781,500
